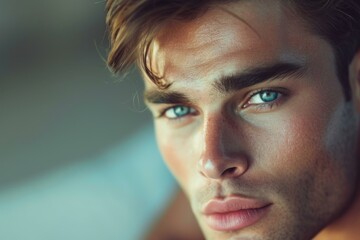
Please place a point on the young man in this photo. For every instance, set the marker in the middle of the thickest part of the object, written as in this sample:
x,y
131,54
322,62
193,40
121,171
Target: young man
x,y
256,106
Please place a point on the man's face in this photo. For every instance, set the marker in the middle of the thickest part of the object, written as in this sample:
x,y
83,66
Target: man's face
x,y
254,126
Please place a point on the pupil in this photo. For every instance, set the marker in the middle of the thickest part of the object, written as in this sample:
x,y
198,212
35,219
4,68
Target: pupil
x,y
180,111
269,96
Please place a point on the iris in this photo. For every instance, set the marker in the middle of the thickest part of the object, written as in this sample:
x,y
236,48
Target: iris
x,y
268,96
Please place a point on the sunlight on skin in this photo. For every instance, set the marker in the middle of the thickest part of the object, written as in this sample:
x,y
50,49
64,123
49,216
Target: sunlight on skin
x,y
280,152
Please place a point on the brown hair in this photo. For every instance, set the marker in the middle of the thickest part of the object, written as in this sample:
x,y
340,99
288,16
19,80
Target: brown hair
x,y
133,24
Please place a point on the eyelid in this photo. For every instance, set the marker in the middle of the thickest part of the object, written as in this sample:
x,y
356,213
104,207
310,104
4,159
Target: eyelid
x,y
269,89
164,110
283,91
275,89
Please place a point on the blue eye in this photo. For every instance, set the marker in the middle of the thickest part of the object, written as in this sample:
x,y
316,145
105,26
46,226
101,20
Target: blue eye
x,y
266,96
178,112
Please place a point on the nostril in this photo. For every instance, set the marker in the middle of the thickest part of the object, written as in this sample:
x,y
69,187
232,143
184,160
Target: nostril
x,y
229,172
222,167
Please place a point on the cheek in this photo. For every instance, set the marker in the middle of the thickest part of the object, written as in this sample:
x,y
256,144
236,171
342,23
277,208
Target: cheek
x,y
298,144
176,154
291,142
302,135
313,153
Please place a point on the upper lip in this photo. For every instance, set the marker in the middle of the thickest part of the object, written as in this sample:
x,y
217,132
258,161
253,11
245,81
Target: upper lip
x,y
232,204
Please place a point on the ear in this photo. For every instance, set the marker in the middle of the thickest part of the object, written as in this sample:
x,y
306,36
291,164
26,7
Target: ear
x,y
354,75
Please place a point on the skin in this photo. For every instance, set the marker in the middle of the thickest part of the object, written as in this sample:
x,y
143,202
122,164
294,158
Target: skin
x,y
298,151
177,222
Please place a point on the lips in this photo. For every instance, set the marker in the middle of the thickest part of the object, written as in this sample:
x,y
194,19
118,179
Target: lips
x,y
234,213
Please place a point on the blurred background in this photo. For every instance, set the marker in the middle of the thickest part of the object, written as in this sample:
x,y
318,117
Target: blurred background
x,y
75,141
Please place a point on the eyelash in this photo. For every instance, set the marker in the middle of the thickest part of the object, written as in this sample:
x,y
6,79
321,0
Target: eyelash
x,y
280,93
266,106
191,111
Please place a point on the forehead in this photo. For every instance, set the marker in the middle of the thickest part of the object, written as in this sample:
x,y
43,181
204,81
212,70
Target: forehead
x,y
220,21
228,38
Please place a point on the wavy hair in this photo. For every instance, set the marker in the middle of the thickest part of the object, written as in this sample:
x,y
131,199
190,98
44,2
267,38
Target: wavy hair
x,y
133,25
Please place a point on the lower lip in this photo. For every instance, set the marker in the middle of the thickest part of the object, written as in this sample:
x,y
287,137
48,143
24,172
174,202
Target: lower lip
x,y
232,221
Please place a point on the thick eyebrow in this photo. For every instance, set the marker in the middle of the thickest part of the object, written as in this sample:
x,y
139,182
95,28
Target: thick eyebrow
x,y
161,97
257,75
230,83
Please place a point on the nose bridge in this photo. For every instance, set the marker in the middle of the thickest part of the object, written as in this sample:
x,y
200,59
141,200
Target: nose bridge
x,y
213,135
218,159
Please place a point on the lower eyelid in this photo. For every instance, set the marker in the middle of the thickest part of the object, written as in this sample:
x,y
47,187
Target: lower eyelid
x,y
162,113
271,105
259,106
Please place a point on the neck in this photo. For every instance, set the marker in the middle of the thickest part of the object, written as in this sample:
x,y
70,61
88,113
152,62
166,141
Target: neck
x,y
345,227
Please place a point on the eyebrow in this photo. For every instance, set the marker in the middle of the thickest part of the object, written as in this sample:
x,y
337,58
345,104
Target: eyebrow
x,y
228,84
257,75
161,97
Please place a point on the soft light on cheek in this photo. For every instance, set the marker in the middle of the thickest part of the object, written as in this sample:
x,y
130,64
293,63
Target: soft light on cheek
x,y
289,145
176,154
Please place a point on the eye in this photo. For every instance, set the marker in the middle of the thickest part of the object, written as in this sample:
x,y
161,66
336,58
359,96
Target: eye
x,y
263,97
178,112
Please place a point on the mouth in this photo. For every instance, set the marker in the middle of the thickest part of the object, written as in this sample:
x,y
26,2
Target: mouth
x,y
234,213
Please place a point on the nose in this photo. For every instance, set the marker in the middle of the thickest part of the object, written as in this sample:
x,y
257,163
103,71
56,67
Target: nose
x,y
222,155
